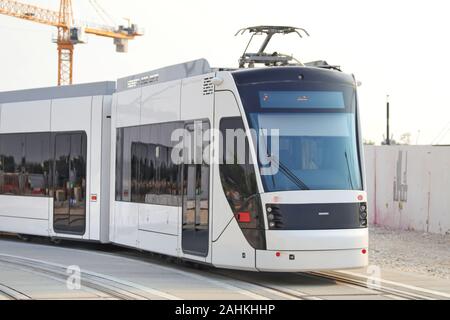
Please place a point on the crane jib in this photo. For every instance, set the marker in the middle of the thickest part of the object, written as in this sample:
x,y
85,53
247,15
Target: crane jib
x,y
69,34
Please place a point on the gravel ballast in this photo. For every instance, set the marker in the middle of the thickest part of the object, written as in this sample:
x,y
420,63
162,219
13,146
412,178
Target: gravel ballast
x,y
410,251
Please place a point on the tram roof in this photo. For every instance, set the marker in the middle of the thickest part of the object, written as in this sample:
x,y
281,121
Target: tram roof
x,y
61,92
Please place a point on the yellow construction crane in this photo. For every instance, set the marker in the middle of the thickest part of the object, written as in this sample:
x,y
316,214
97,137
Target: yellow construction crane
x,y
68,34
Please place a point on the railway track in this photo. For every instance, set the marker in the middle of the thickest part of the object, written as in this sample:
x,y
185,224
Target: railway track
x,y
294,294
248,284
13,294
276,291
252,289
110,287
390,292
340,279
394,290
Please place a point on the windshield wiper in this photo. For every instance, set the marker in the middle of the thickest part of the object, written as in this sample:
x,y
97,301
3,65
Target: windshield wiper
x,y
288,173
349,171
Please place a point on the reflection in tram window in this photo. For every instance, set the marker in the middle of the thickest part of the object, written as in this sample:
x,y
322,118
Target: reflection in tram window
x,y
191,193
145,172
204,196
238,180
37,164
29,167
25,164
196,192
70,183
13,155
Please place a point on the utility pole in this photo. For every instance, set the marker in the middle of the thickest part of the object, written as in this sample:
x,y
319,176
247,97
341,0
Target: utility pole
x,y
388,133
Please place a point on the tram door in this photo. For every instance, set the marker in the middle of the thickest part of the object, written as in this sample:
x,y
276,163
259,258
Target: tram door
x,y
195,186
69,183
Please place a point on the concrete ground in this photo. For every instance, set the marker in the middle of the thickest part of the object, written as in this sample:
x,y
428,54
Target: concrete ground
x,y
40,270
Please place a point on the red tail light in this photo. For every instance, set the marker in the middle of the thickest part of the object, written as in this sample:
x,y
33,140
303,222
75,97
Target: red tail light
x,y
244,217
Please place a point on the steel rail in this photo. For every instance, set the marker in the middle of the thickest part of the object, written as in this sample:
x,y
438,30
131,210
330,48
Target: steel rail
x,y
13,294
383,290
96,282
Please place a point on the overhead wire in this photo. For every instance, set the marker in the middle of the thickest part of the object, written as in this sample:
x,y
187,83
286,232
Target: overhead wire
x,y
442,134
105,16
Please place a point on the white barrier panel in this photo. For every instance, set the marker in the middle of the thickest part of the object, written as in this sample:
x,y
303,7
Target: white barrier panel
x,y
409,187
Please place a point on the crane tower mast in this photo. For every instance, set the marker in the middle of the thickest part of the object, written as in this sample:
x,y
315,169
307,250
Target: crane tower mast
x,y
68,34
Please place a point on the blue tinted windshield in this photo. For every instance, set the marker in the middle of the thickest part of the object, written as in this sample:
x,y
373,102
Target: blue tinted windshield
x,y
315,151
315,113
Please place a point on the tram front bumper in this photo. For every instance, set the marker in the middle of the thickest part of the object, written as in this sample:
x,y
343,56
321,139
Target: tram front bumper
x,y
298,261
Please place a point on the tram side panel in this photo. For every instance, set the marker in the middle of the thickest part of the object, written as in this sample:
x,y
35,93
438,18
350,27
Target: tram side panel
x,y
70,115
230,247
22,214
41,203
151,216
159,212
143,215
124,221
100,166
112,171
105,177
197,104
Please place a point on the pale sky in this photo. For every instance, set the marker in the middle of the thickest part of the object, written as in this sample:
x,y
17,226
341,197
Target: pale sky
x,y
395,47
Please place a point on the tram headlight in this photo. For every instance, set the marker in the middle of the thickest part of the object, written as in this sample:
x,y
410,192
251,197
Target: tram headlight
x,y
274,217
363,215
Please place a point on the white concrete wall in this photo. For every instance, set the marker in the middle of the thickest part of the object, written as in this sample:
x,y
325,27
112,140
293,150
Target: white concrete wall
x,y
409,187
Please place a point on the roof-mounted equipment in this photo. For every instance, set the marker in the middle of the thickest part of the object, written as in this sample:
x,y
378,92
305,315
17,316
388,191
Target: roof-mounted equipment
x,y
268,59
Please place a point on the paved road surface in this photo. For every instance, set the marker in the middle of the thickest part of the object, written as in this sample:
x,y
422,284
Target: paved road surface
x,y
38,270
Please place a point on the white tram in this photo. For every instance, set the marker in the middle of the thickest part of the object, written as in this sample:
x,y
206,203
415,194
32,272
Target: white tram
x,y
155,162
54,161
311,214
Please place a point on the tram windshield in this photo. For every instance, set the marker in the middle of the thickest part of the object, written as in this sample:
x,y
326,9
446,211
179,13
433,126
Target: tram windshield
x,y
307,140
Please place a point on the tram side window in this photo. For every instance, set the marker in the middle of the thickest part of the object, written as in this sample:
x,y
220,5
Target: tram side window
x,y
24,164
162,175
126,174
13,156
238,179
145,172
119,163
37,164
